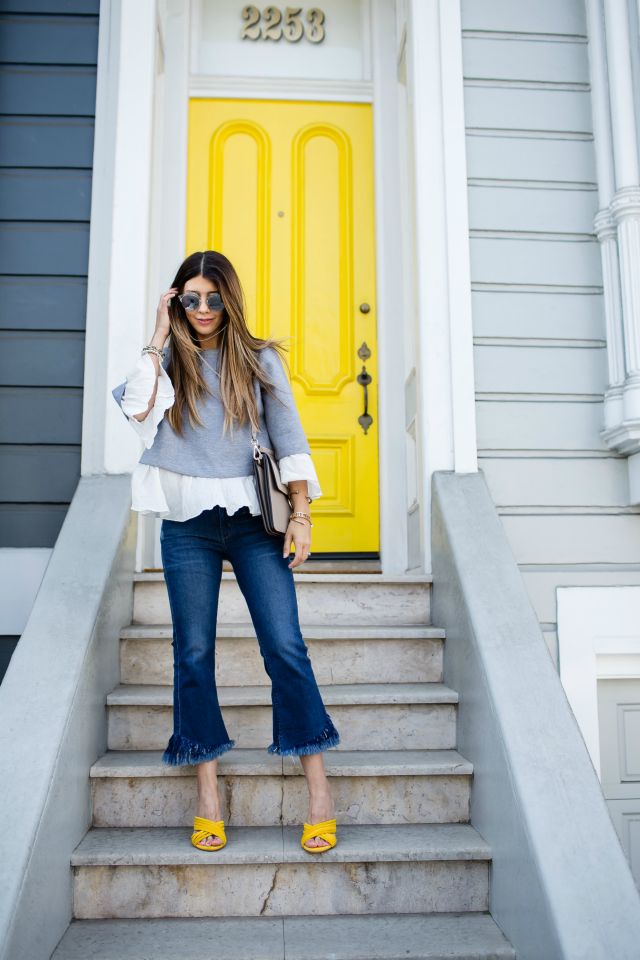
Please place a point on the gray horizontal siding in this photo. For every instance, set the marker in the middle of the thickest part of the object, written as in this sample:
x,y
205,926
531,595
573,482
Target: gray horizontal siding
x,y
541,370
31,524
561,263
579,539
37,359
530,208
557,482
40,415
44,248
33,473
52,40
543,424
48,91
559,315
523,16
54,303
526,60
46,142
48,54
66,7
45,194
523,109
537,275
531,158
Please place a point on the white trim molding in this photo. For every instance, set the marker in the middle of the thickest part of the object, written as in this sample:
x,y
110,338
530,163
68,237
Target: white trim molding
x,y
598,639
120,214
258,88
442,261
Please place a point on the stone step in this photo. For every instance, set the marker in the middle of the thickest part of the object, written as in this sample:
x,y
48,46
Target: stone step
x,y
430,936
135,789
338,654
330,598
263,871
368,716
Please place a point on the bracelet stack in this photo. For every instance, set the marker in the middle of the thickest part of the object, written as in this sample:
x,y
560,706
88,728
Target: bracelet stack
x,y
154,350
294,516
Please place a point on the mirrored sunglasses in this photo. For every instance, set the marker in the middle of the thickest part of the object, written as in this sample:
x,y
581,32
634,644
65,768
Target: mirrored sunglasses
x,y
191,301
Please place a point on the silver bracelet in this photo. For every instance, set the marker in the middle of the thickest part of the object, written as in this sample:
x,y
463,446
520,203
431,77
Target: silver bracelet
x,y
158,353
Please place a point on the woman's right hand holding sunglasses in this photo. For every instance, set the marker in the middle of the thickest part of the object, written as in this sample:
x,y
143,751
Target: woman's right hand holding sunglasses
x,y
163,324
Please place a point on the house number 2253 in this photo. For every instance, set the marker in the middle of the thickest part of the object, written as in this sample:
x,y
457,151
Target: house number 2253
x,y
273,29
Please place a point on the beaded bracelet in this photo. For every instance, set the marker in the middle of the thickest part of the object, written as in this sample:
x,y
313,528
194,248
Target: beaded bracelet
x,y
158,353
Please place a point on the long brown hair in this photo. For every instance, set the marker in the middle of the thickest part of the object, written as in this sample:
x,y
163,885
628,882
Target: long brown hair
x,y
238,363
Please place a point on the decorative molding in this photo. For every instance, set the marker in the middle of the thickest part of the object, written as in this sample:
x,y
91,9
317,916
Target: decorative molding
x,y
623,438
254,88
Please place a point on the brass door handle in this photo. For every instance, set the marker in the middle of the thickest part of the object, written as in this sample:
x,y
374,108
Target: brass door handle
x,y
364,379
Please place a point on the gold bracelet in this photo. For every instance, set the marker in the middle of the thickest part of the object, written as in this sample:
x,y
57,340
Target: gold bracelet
x,y
294,516
306,496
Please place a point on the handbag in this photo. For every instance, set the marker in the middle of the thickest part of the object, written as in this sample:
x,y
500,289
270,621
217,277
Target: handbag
x,y
273,495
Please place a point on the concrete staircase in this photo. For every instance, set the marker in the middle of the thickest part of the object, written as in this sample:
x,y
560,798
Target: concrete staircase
x,y
410,875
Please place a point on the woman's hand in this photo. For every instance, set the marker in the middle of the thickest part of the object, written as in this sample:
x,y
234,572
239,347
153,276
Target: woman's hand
x,y
300,534
163,324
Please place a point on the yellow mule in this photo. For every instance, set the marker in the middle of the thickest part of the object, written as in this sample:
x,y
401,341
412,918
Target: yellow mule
x,y
326,831
203,828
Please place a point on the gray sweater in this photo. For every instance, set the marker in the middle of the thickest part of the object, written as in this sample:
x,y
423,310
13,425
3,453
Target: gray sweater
x,y
205,452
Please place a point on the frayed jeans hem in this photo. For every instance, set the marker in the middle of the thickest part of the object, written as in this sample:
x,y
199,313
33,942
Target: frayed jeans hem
x,y
181,751
324,741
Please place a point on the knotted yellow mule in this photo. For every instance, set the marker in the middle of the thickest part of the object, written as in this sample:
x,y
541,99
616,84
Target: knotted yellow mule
x,y
326,831
203,828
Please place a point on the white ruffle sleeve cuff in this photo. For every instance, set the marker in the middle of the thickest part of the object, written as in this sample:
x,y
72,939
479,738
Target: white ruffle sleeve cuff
x,y
138,392
300,466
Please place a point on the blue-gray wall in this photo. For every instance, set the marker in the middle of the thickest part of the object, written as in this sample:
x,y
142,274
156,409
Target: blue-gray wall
x,y
48,55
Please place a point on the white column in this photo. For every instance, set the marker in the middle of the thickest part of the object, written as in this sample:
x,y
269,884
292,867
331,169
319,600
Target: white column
x,y
625,206
118,255
605,226
625,209
623,122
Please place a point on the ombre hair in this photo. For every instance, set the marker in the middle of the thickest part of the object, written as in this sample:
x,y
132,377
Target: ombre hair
x,y
238,361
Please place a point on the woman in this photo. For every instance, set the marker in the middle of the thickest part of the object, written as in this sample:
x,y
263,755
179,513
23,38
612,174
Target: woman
x,y
195,408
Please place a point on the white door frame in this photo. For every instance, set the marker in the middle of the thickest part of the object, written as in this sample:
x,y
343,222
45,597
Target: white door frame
x,y
139,221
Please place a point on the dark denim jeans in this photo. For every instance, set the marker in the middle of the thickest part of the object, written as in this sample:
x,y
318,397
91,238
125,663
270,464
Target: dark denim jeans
x,y
192,555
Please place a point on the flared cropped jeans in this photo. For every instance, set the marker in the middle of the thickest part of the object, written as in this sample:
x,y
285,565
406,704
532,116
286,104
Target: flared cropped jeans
x,y
192,555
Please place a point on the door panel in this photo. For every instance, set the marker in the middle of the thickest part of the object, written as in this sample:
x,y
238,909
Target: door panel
x,y
285,190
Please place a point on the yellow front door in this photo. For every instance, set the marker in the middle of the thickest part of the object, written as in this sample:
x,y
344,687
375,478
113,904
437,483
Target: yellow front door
x,y
285,191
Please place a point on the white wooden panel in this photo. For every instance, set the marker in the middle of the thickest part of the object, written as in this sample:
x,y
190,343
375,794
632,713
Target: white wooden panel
x,y
555,482
626,819
615,745
530,158
523,16
501,369
551,262
574,539
525,60
546,211
505,108
539,426
555,315
629,727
